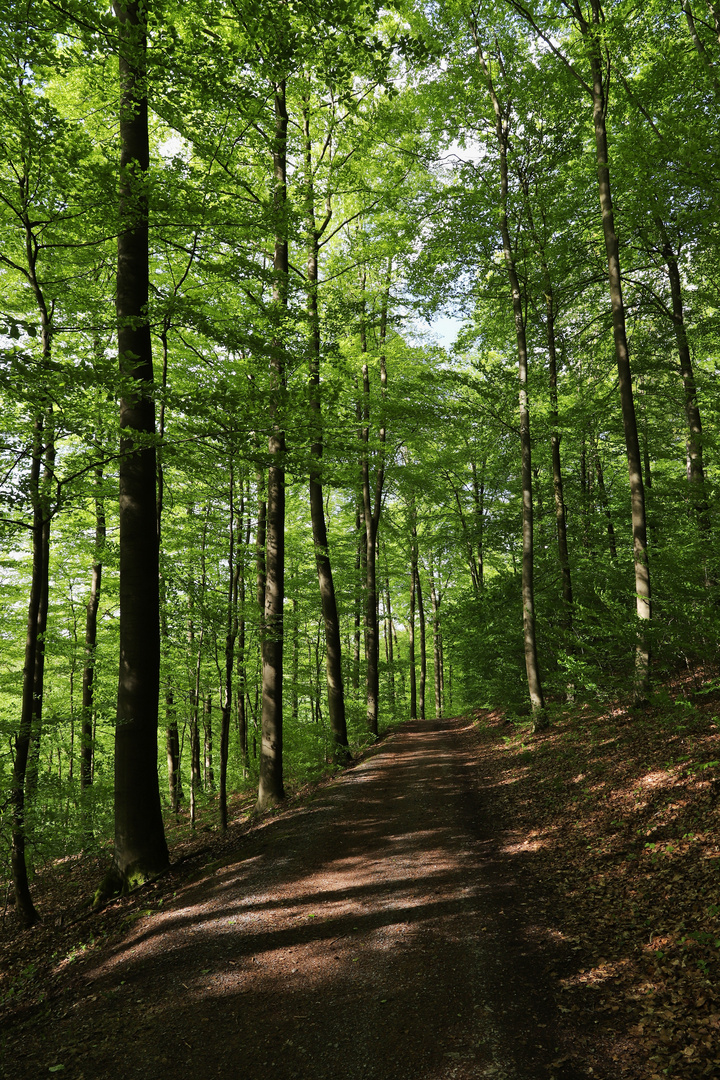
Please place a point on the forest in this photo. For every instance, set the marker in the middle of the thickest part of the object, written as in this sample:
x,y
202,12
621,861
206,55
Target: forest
x,y
255,506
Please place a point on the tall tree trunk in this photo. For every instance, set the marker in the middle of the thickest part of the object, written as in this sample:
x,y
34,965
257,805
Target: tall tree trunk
x,y
532,669
44,495
423,653
270,787
478,489
140,847
88,677
372,506
390,629
696,467
25,907
417,590
357,614
328,601
172,741
208,745
411,648
560,515
437,646
637,490
231,633
172,738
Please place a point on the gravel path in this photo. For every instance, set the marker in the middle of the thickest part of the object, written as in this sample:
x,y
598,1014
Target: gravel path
x,y
378,932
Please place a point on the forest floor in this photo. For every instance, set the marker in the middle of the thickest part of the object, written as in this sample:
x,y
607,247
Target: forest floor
x,y
467,900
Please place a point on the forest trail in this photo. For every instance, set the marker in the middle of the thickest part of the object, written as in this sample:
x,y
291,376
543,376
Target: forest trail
x,y
383,930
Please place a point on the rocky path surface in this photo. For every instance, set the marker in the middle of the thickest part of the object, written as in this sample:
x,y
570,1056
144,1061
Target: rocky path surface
x,y
384,930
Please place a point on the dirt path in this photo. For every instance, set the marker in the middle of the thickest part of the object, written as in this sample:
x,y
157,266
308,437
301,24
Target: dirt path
x,y
379,932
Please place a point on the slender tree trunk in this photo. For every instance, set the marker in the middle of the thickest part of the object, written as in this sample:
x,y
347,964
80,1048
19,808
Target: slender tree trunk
x,y
411,638
195,757
696,467
537,700
417,589
437,646
560,515
372,506
357,615
423,653
172,738
88,677
231,633
637,489
389,625
478,488
173,751
208,745
44,494
605,503
270,787
25,907
140,847
260,542
328,601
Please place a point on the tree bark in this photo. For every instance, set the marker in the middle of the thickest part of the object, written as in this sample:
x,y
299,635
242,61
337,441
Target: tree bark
x,y
24,904
140,847
417,589
270,788
372,506
696,467
43,494
532,669
231,633
88,677
437,647
172,741
411,646
328,601
637,489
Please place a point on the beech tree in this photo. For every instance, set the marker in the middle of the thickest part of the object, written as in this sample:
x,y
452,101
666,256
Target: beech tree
x,y
140,848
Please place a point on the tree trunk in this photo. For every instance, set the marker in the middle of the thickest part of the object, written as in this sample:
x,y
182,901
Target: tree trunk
x,y
478,488
44,495
696,467
357,614
173,751
423,654
637,489
560,516
328,601
604,502
208,745
270,787
414,561
88,677
140,847
25,907
437,647
372,506
389,625
231,633
411,646
532,669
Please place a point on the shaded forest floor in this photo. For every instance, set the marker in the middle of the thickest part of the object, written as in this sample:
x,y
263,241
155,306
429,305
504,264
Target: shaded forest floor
x,y
468,900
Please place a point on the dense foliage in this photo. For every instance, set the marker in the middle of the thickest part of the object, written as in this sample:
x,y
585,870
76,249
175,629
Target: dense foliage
x,y
406,162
